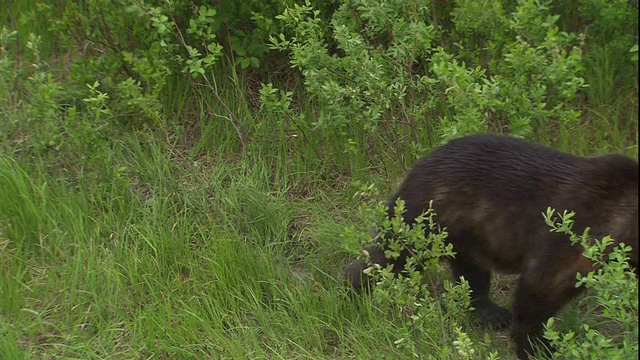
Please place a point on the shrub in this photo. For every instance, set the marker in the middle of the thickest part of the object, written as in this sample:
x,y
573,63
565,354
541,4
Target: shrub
x,y
398,83
426,308
610,331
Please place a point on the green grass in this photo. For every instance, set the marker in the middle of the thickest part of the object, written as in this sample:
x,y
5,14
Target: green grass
x,y
169,243
176,261
150,250
167,258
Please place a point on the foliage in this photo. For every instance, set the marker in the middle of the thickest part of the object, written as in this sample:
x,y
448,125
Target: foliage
x,y
171,187
611,30
396,75
610,23
611,329
425,307
44,118
134,49
6,67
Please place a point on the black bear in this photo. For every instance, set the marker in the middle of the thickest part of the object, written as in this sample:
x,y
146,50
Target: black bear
x,y
489,192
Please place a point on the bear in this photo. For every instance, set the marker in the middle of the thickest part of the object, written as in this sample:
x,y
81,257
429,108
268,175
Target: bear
x,y
489,192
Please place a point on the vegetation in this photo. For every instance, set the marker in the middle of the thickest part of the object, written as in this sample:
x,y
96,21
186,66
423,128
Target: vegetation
x,y
181,180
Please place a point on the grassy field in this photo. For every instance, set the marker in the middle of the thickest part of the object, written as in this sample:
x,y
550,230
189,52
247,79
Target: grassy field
x,y
166,241
153,253
157,256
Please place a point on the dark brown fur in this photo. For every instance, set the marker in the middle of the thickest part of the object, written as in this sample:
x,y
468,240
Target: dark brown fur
x,y
489,192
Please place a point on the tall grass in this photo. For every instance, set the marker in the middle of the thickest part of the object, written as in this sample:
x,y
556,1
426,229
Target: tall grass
x,y
178,261
168,242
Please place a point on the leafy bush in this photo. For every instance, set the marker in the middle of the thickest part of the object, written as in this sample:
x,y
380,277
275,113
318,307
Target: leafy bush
x,y
426,312
399,80
611,329
392,78
425,307
45,118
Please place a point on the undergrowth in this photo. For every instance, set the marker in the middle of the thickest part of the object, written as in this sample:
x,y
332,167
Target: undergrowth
x,y
176,178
